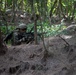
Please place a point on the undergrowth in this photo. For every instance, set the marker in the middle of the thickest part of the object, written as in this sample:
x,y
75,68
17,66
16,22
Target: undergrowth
x,y
49,30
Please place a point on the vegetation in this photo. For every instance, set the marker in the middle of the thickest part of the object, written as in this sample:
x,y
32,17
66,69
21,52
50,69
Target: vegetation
x,y
44,8
48,31
45,15
29,53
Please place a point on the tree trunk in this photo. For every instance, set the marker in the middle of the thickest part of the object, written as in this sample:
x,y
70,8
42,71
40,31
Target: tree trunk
x,y
44,59
35,29
52,8
3,47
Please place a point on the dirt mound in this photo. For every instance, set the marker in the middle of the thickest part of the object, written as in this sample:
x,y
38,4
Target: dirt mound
x,y
27,59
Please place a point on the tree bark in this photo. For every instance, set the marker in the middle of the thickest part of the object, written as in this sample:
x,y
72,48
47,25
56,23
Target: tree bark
x,y
35,30
3,47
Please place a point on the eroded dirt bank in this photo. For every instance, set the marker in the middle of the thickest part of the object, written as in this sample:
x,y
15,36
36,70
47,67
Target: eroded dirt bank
x,y
27,59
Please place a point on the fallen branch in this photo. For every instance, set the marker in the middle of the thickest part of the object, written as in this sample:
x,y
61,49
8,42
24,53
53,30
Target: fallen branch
x,y
64,40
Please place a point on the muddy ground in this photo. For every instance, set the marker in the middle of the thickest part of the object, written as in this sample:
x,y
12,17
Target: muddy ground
x,y
28,59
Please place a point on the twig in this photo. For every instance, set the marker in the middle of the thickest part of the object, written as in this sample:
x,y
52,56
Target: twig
x,y
64,40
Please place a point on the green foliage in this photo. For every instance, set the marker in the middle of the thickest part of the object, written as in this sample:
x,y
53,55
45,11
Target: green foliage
x,y
43,8
53,29
4,29
9,2
49,30
39,5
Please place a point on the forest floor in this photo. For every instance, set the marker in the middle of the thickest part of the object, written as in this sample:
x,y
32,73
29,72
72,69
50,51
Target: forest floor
x,y
27,59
